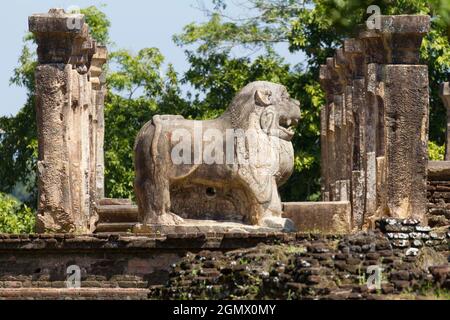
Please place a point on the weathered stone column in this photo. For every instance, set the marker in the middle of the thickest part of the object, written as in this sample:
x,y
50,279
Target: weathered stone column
x,y
375,124
346,134
98,80
324,154
353,52
326,134
397,119
69,102
445,95
331,137
341,189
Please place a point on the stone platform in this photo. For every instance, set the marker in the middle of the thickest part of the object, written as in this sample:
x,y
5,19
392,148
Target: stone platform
x,y
120,215
116,266
74,294
210,226
126,266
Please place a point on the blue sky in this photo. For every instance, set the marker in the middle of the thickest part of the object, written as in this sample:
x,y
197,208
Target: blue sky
x,y
136,24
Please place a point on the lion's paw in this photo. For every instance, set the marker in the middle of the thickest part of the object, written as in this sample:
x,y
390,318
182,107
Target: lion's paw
x,y
286,225
170,219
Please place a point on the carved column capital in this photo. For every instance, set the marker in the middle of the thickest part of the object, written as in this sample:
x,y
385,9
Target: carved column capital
x,y
63,38
326,80
354,51
397,41
343,66
98,60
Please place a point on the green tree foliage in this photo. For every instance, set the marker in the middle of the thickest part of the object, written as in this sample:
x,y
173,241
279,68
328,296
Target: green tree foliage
x,y
15,217
138,89
18,144
98,23
436,152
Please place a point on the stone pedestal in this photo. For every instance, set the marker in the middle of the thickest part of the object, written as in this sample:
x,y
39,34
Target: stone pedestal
x,y
69,100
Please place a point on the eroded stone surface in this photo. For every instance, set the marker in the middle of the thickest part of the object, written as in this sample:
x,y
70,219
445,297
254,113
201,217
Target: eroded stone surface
x,y
209,226
312,267
324,217
70,91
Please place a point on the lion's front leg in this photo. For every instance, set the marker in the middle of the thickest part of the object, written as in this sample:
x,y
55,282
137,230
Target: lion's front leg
x,y
273,211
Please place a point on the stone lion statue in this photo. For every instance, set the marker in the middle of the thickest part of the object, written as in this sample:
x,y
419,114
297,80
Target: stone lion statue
x,y
227,169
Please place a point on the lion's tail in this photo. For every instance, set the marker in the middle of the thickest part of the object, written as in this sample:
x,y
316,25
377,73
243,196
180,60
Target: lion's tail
x,y
143,149
143,165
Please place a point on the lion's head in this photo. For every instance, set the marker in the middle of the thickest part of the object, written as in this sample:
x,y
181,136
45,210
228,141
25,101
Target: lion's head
x,y
267,103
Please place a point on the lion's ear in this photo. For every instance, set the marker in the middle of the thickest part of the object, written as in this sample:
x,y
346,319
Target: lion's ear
x,y
262,98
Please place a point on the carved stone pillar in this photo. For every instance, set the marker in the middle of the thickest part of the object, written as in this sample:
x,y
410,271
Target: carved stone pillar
x,y
397,118
324,154
331,142
99,92
69,102
445,95
342,67
377,120
326,135
353,51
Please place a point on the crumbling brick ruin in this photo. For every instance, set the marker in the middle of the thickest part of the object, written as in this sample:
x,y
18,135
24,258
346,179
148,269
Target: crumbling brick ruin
x,y
375,175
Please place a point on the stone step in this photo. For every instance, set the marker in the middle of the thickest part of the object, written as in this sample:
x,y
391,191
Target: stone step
x,y
115,227
438,170
114,201
73,294
118,282
117,213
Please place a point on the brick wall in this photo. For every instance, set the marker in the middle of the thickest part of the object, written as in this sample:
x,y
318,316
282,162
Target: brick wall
x,y
320,267
183,266
438,193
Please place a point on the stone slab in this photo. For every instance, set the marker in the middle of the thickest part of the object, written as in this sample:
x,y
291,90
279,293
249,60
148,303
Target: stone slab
x,y
438,170
320,217
56,21
203,226
74,294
